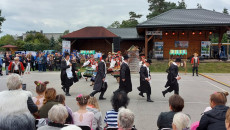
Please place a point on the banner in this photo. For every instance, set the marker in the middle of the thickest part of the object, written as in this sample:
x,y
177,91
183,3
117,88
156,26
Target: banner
x,y
65,46
205,48
181,44
159,49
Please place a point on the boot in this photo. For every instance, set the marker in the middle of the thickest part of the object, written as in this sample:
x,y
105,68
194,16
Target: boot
x,y
101,95
164,92
63,88
67,92
148,98
141,94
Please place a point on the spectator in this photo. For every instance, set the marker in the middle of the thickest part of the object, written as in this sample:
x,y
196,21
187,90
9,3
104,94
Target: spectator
x,y
83,117
17,121
40,90
48,103
14,99
39,60
61,99
119,99
125,119
215,119
7,63
181,121
227,120
57,116
165,119
94,107
1,66
28,63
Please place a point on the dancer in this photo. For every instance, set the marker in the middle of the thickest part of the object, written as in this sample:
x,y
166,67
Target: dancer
x,y
16,66
100,82
68,75
145,78
195,64
173,77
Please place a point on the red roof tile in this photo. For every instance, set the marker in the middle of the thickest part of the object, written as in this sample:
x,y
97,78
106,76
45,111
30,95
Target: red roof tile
x,y
91,32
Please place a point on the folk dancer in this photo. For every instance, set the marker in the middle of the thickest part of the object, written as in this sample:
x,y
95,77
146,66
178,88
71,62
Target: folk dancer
x,y
173,78
91,63
100,79
195,64
145,78
16,66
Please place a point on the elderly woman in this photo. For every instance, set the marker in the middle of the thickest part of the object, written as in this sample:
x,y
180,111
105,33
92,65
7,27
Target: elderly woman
x,y
215,119
57,116
14,99
125,119
181,121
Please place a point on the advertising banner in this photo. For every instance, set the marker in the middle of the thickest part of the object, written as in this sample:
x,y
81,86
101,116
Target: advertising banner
x,y
159,49
205,48
181,44
65,46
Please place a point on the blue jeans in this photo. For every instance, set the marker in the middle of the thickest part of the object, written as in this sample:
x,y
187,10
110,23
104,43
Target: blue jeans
x,y
7,71
39,67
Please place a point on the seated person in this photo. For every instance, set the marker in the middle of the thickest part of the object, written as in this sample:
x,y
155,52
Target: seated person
x,y
181,121
125,119
215,119
118,100
176,104
227,120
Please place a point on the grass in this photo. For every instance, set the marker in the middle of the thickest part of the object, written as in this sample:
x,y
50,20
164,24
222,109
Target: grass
x,y
218,67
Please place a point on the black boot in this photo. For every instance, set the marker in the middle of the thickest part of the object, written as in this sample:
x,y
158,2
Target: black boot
x,y
63,88
141,94
93,93
148,98
67,92
164,92
101,95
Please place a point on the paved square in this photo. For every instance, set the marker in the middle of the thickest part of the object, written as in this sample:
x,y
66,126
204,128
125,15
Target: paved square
x,y
194,90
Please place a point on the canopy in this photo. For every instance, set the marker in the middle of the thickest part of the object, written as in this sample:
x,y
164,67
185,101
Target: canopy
x,y
88,52
178,52
9,46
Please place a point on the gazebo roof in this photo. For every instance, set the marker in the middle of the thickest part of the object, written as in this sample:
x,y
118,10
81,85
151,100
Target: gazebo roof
x,y
90,32
9,46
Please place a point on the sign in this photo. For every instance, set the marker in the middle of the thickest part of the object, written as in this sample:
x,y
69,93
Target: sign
x,y
205,48
181,44
87,52
153,32
178,52
158,49
228,32
65,46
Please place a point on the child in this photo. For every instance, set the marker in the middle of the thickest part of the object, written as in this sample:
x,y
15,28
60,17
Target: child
x,y
83,117
40,90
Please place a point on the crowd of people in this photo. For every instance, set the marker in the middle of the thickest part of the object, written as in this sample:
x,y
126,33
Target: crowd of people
x,y
47,110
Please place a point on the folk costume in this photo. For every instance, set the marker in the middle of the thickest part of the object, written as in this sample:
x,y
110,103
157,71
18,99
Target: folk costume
x,y
68,75
16,66
172,78
100,85
144,83
195,64
125,75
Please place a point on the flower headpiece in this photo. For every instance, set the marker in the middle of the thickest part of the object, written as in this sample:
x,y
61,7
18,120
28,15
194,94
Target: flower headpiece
x,y
80,95
39,83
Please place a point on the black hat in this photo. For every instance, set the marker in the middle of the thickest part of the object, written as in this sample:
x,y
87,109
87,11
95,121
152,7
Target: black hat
x,y
178,60
104,57
148,61
126,57
66,54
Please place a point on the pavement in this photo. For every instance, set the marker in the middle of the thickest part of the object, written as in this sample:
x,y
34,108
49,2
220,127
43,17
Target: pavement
x,y
195,91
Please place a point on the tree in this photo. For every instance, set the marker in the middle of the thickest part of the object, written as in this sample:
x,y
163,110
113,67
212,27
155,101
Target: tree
x,y
157,7
52,42
2,19
225,11
115,24
199,6
7,39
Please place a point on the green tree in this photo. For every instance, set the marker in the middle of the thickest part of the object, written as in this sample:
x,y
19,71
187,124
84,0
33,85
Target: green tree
x,y
199,6
7,39
181,5
52,42
225,11
115,24
2,19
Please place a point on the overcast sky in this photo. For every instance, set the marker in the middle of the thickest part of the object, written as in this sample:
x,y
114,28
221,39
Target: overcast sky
x,y
56,16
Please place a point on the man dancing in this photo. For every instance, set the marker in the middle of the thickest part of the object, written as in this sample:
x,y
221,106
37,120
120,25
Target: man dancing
x,y
195,64
173,77
100,84
145,78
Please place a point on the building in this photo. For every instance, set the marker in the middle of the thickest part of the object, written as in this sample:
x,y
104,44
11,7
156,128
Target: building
x,y
177,29
47,35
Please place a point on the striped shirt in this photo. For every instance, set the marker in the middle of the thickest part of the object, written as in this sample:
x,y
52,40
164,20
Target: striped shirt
x,y
111,118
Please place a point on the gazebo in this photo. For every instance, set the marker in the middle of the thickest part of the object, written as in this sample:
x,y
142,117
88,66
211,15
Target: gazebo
x,y
11,48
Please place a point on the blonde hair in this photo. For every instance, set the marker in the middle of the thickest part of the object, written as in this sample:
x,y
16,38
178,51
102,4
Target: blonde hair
x,y
93,101
58,113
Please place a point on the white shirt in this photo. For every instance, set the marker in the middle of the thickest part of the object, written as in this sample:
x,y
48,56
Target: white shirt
x,y
176,65
69,70
16,66
148,72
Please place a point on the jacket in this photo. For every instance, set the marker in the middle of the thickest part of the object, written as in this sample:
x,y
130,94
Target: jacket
x,y
144,84
100,75
43,112
64,77
214,119
165,119
125,74
97,121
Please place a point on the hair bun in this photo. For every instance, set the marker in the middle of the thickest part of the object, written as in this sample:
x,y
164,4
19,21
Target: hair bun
x,y
46,82
226,93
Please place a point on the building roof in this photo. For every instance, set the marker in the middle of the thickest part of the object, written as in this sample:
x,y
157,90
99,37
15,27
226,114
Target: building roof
x,y
91,32
125,33
9,46
187,17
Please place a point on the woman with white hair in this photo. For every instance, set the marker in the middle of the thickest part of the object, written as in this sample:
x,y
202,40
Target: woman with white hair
x,y
57,116
181,121
15,99
125,119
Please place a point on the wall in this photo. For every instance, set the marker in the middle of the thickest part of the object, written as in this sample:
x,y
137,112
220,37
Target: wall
x,y
126,44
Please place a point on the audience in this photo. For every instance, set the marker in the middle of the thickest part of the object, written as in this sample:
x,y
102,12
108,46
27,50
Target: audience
x,y
176,104
15,99
215,119
181,121
40,90
61,99
125,119
118,100
227,120
94,107
82,117
48,103
57,116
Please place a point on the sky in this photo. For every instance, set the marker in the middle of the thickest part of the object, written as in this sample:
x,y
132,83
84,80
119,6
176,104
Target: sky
x,y
56,16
